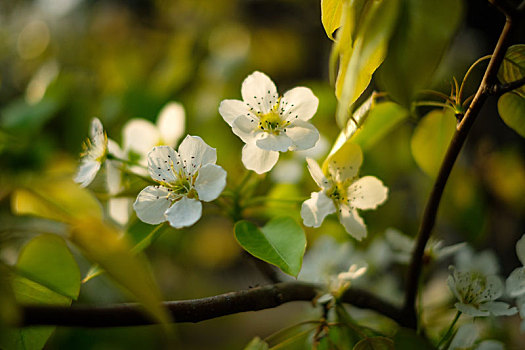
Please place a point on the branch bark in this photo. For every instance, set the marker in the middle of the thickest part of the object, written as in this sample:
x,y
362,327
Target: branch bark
x,y
265,297
429,216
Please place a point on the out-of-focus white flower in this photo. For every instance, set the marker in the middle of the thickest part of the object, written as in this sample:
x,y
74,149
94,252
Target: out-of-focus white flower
x,y
119,208
466,337
477,292
403,246
185,178
516,281
484,262
269,123
342,191
95,151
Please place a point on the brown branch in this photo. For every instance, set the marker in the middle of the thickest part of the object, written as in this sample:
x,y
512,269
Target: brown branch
x,y
197,310
429,215
500,89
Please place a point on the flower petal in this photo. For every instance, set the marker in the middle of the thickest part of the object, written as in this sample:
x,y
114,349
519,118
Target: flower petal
x,y
139,136
210,182
299,103
171,123
231,109
493,290
258,160
352,222
516,282
303,134
246,128
520,249
119,209
272,142
194,153
184,212
490,345
97,133
315,209
86,172
498,308
470,310
367,193
163,164
317,174
465,337
113,177
259,91
151,204
344,163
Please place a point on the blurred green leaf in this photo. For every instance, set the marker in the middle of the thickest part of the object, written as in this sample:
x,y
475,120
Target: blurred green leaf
x,y
431,139
406,339
360,58
424,31
47,260
257,344
56,281
511,108
382,118
21,117
331,15
280,242
513,67
9,312
375,343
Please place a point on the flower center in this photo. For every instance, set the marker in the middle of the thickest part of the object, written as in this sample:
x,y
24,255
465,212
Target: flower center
x,y
337,193
271,122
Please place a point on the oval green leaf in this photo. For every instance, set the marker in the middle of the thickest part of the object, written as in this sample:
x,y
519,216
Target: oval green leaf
x,y
375,343
421,37
511,108
513,67
431,138
280,242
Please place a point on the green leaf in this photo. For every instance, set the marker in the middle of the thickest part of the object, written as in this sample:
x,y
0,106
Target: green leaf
x,y
431,139
375,343
21,117
257,344
408,339
513,67
280,242
331,15
382,118
47,260
511,108
424,31
49,275
360,57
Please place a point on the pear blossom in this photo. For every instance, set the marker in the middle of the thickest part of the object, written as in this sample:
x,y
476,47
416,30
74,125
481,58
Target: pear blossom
x,y
465,339
184,179
269,123
516,281
95,151
342,191
477,293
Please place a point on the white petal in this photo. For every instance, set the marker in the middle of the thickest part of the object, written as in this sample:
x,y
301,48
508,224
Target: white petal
x,y
493,290
271,142
258,160
299,103
231,109
115,149
86,172
163,164
246,128
210,182
516,282
490,345
465,337
520,249
119,209
151,204
344,163
470,310
184,212
398,241
194,153
315,209
113,177
303,134
288,171
97,132
367,193
171,123
139,136
317,174
498,308
259,91
452,282
352,222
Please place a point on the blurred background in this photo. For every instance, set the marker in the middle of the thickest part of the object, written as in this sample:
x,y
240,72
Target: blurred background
x,y
63,62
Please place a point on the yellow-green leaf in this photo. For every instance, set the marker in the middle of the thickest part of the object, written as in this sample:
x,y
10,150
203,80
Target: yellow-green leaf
x,y
511,108
331,15
431,139
513,67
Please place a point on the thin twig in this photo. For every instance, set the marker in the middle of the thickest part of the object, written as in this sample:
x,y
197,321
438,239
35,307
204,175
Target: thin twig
x,y
500,89
265,297
429,215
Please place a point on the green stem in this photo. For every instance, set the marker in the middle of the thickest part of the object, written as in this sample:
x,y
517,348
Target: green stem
x,y
438,94
111,156
450,329
467,74
433,104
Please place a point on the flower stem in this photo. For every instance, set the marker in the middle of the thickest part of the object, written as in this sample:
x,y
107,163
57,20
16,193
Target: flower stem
x,y
450,329
467,74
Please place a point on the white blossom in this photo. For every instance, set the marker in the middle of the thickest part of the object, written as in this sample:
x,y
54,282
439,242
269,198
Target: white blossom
x,y
95,151
342,191
477,293
269,123
185,178
466,337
